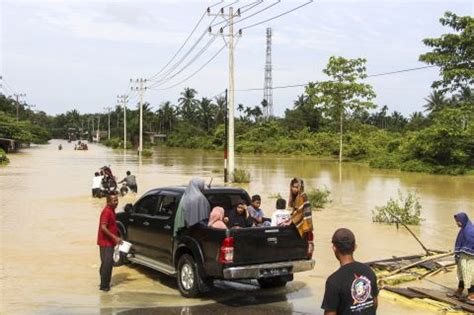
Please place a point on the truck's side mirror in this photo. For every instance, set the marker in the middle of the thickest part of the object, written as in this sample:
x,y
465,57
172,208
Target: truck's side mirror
x,y
128,208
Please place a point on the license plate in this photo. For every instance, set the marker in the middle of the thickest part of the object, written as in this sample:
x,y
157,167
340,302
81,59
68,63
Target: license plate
x,y
272,272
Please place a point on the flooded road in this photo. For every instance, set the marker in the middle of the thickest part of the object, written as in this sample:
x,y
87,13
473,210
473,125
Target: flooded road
x,y
49,257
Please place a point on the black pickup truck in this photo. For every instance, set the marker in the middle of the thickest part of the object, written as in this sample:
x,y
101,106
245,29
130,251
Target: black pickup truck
x,y
200,254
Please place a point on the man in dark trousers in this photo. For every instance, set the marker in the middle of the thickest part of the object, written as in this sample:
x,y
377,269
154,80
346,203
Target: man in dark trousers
x,y
107,238
352,289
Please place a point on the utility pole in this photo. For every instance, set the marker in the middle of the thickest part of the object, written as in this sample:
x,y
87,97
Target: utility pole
x,y
140,88
230,110
122,101
226,175
108,113
98,130
17,96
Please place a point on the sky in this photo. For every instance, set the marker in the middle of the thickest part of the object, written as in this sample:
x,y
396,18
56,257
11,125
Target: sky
x,y
80,55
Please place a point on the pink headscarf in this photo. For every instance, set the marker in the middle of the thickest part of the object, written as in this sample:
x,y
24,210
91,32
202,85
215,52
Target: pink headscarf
x,y
216,218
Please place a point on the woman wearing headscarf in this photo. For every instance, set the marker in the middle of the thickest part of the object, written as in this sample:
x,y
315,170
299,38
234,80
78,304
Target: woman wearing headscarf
x,y
301,215
216,219
464,255
193,207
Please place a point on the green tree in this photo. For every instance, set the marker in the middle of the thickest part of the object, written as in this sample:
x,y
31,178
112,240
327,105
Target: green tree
x,y
453,53
435,102
187,104
343,92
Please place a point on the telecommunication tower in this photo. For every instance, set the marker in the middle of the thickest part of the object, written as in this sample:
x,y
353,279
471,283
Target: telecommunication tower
x,y
267,102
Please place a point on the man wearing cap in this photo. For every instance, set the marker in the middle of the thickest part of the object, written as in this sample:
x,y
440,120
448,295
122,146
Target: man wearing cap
x,y
352,289
107,238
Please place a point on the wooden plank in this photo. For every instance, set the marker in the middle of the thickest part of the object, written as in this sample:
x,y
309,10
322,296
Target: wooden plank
x,y
405,292
430,258
394,259
441,296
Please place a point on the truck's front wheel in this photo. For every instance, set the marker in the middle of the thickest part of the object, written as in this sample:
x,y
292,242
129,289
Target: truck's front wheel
x,y
273,282
188,278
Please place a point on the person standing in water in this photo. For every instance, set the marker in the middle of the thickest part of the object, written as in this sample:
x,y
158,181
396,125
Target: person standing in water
x,y
131,182
107,238
464,256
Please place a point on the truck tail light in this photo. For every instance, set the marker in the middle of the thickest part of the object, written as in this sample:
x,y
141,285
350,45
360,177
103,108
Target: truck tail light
x,y
226,255
309,238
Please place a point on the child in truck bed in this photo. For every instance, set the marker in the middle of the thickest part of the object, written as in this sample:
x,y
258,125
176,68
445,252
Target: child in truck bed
x,y
280,215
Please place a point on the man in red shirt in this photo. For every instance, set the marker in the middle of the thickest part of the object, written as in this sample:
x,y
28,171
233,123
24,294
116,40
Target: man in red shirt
x,y
107,238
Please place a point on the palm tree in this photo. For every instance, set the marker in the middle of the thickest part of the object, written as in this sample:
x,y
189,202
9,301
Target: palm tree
x,y
187,104
220,103
206,112
435,102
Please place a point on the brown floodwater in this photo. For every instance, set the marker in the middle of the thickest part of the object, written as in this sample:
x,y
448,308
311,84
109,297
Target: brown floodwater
x,y
49,258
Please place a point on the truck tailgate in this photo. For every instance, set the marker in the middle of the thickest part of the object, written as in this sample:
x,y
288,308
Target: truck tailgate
x,y
266,245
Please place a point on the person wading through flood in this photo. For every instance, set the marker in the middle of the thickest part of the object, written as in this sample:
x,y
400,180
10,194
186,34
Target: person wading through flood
x,y
352,289
464,256
301,215
107,238
130,181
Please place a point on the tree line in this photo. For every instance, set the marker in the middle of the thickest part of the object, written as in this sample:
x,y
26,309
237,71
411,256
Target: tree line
x,y
336,117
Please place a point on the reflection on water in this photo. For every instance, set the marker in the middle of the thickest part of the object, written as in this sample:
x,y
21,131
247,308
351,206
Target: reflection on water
x,y
49,259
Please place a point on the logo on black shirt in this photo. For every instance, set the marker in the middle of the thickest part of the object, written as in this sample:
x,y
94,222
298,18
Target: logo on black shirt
x,y
360,289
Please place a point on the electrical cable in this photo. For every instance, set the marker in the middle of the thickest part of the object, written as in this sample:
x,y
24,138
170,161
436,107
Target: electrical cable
x,y
277,16
369,76
251,15
194,73
170,70
185,41
203,49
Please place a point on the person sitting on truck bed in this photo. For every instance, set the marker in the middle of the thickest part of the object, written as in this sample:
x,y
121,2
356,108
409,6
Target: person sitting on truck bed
x,y
239,216
280,216
216,219
193,207
256,213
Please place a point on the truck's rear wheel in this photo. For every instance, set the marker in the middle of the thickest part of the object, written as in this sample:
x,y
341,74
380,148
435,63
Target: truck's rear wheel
x,y
188,278
273,282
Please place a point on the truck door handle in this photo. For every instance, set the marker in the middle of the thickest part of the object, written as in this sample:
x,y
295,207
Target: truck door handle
x,y
167,227
146,223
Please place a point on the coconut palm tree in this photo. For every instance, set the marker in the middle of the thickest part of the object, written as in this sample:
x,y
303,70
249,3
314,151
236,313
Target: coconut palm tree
x,y
435,102
187,104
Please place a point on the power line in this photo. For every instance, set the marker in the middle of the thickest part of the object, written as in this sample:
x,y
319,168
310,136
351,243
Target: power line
x,y
199,54
252,5
180,48
251,15
369,76
277,16
194,73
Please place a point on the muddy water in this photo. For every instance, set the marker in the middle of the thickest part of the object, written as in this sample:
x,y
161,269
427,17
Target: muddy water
x,y
49,260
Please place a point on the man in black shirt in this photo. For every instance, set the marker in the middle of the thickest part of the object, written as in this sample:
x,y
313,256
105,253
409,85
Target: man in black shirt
x,y
352,289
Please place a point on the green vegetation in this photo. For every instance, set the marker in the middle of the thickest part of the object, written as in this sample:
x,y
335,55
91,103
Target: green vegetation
x,y
241,176
3,158
405,210
318,198
116,143
342,92
147,152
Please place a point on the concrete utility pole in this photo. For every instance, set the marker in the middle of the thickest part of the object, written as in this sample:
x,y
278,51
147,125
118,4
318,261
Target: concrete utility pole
x,y
122,101
140,88
17,96
108,121
98,130
230,110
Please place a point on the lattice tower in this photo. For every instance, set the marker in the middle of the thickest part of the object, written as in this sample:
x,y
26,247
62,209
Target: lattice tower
x,y
267,87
